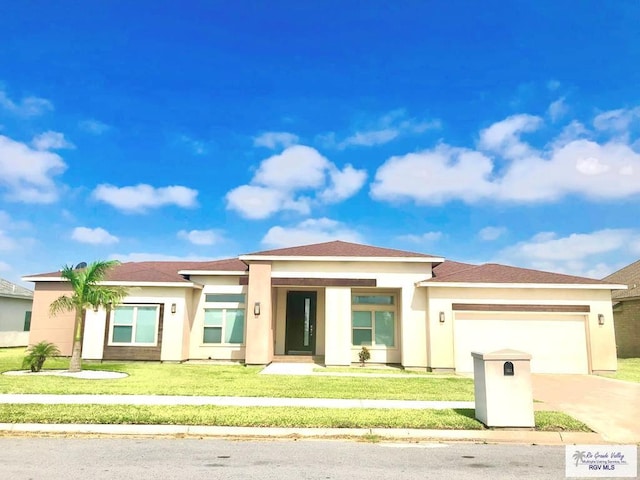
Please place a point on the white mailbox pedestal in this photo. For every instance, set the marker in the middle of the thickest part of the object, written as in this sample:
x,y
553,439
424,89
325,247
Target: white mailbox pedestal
x,y
502,383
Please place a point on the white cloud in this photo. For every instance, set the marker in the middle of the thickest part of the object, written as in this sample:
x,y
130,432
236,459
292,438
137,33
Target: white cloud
x,y
434,176
93,236
275,140
28,107
428,237
616,120
26,174
587,254
51,141
140,198
255,202
370,138
388,128
557,109
295,168
343,184
491,233
504,137
200,237
95,127
4,267
158,257
310,231
568,165
293,181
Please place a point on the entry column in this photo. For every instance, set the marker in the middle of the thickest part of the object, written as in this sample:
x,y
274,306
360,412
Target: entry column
x,y
337,328
259,328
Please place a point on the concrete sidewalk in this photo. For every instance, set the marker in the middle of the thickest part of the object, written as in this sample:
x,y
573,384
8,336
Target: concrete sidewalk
x,y
397,434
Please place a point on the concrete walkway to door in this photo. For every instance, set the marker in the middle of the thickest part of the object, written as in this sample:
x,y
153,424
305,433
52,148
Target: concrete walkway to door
x,y
610,407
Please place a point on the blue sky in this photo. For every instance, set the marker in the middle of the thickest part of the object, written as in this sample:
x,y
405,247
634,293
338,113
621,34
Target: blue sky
x,y
479,131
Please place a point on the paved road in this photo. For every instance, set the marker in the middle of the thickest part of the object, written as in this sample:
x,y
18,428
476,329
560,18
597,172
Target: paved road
x,y
108,458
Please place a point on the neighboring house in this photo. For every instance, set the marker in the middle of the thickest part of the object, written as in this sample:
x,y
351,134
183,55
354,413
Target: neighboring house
x,y
15,314
328,300
626,310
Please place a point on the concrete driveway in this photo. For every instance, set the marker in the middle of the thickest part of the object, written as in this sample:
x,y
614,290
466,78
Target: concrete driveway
x,y
609,407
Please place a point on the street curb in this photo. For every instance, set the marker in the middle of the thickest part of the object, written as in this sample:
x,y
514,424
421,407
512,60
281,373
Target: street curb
x,y
474,436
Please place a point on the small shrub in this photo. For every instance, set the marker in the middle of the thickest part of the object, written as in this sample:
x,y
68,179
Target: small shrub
x,y
364,355
38,353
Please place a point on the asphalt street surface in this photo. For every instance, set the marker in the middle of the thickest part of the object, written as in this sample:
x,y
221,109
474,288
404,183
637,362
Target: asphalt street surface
x,y
82,458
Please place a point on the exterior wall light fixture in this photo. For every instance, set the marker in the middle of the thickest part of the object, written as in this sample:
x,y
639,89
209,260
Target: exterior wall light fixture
x,y
256,309
441,317
600,319
173,308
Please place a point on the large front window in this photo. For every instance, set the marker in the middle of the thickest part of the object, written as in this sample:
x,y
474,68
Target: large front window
x,y
373,320
135,325
224,319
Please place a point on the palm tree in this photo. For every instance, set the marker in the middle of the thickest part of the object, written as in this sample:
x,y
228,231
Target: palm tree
x,y
37,354
86,292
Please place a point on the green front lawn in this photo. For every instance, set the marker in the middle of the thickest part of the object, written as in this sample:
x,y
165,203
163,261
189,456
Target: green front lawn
x,y
628,369
450,419
185,379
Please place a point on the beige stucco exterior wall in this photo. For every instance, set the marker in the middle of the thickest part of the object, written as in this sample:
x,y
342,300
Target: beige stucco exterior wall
x,y
93,339
174,324
58,329
600,338
414,307
197,348
337,326
259,328
394,277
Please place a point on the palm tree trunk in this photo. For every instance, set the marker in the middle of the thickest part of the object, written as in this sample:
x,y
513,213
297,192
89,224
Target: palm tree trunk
x,y
75,365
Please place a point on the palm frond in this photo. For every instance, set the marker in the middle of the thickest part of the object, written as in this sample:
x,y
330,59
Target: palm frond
x,y
96,271
62,304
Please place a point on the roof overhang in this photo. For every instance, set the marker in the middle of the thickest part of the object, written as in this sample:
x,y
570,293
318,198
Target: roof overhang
x,y
18,297
123,283
228,273
290,258
151,284
572,286
42,279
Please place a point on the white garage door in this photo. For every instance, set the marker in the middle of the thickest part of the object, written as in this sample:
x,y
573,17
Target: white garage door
x,y
557,343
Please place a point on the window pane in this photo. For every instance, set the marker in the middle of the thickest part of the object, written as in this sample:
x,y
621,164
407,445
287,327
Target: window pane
x,y
27,321
146,325
361,319
213,317
373,300
122,334
234,326
123,316
385,329
361,336
225,297
212,335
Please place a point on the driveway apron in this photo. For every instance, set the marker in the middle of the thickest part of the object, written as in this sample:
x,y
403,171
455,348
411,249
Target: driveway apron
x,y
609,407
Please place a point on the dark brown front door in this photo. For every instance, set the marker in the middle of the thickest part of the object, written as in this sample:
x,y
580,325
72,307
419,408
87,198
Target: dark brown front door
x,y
301,323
